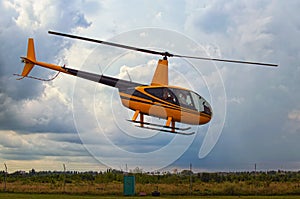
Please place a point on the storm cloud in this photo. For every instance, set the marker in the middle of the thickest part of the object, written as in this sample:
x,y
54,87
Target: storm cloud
x,y
262,104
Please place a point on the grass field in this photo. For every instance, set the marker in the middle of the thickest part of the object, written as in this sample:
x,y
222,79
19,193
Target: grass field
x,y
65,196
98,185
116,188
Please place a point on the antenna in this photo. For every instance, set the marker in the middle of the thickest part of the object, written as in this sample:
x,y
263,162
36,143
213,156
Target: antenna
x,y
100,69
128,75
191,185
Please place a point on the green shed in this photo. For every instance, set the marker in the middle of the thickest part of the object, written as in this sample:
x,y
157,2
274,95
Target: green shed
x,y
129,186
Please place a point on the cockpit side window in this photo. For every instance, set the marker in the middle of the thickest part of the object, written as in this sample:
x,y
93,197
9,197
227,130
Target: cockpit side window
x,y
163,93
184,98
169,96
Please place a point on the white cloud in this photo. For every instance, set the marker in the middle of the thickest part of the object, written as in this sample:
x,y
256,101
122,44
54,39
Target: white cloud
x,y
32,15
294,115
237,100
51,110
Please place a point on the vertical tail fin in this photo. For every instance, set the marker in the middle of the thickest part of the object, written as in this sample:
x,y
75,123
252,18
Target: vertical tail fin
x,y
30,59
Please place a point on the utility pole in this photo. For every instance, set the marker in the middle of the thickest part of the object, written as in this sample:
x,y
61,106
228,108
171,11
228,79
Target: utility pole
x,y
191,173
5,177
64,179
255,174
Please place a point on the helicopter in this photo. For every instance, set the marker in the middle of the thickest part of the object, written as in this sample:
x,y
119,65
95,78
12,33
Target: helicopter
x,y
158,99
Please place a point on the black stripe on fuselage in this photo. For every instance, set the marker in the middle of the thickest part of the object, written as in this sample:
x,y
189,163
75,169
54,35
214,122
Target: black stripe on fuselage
x,y
136,93
109,81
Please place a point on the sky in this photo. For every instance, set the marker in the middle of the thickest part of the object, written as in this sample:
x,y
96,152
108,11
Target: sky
x,y
81,124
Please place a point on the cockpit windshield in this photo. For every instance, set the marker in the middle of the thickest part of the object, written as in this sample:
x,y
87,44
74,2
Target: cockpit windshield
x,y
191,99
201,104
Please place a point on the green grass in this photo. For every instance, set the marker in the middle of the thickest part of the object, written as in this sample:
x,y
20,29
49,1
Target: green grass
x,y
65,196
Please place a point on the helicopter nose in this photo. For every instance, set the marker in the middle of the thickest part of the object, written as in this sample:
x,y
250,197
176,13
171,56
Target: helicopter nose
x,y
205,113
207,108
209,111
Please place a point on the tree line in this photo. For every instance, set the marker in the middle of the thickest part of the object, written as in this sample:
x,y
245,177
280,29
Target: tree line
x,y
183,177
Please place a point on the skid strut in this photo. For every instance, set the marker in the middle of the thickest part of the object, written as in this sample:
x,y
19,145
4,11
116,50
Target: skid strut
x,y
169,127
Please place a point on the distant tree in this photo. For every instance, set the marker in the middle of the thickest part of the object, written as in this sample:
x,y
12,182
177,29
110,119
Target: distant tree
x,y
186,172
32,172
204,177
137,170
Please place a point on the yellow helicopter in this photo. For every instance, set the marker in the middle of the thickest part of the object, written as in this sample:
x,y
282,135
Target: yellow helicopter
x,y
159,99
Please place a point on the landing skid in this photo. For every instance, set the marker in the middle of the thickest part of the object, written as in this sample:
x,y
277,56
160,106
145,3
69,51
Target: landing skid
x,y
164,128
159,125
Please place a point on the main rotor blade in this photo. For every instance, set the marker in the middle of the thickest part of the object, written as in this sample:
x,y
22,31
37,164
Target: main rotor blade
x,y
226,60
107,43
165,54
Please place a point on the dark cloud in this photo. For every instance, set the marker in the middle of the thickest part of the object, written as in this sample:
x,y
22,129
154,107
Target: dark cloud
x,y
23,20
66,137
259,99
28,106
37,146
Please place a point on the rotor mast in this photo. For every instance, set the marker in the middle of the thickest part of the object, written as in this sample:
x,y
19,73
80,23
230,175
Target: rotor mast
x,y
161,74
